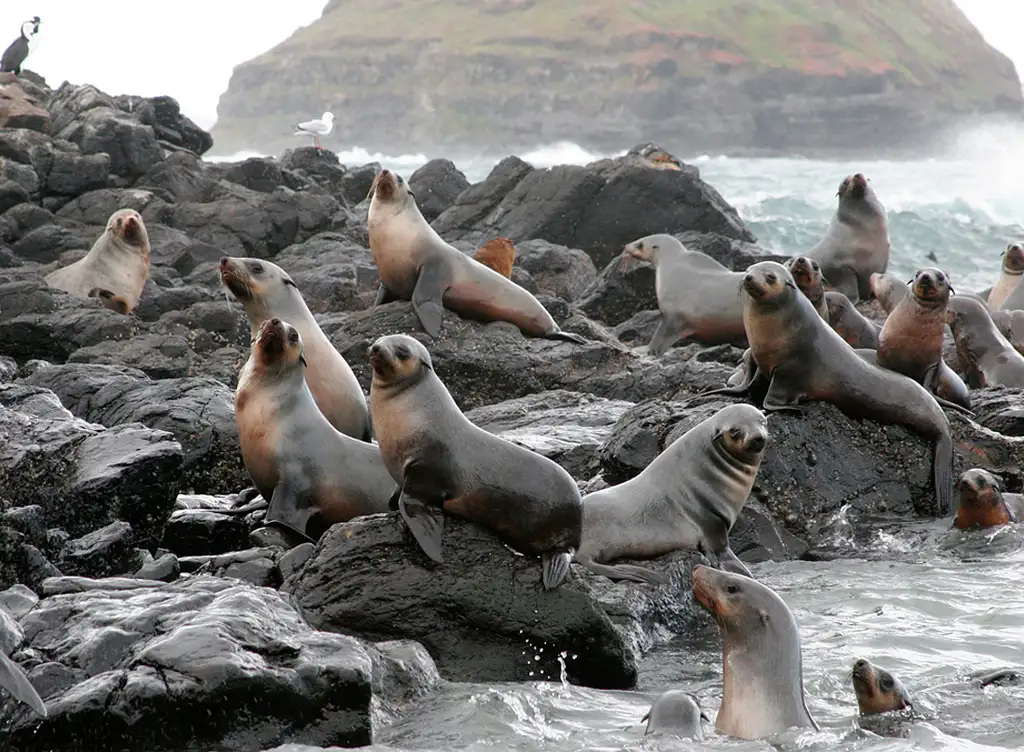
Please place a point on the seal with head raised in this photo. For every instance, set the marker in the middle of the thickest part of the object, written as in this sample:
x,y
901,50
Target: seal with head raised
x,y
986,357
117,263
696,294
312,474
266,291
762,663
677,713
808,277
983,503
688,498
802,359
498,254
1012,268
856,242
416,264
877,690
888,290
856,329
444,464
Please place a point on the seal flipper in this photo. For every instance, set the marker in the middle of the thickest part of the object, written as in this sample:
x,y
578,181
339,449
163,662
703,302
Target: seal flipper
x,y
730,562
428,296
290,508
668,332
384,295
13,679
556,567
567,337
844,280
624,572
943,471
780,398
426,523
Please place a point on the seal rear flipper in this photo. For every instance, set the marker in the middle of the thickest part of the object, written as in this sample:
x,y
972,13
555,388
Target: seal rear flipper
x,y
384,295
426,523
943,471
624,572
290,509
668,331
428,296
556,567
567,337
13,679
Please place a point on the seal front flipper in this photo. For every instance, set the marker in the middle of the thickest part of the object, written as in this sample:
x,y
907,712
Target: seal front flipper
x,y
556,567
781,398
426,523
669,330
384,295
943,472
290,508
13,679
428,296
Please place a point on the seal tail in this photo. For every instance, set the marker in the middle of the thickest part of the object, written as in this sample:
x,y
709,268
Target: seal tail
x,y
624,572
13,679
943,473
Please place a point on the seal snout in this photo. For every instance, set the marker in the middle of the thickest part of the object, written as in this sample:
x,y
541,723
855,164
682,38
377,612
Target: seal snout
x,y
756,442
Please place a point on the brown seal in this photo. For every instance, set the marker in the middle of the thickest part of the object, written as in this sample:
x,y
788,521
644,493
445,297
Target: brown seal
x,y
118,262
888,290
809,280
986,358
444,464
266,291
109,300
762,663
850,324
677,713
1012,268
983,503
312,474
877,690
415,264
802,359
856,243
498,254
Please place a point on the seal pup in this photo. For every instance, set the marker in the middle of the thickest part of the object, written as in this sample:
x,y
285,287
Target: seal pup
x,y
856,329
983,503
762,664
888,290
1009,276
802,359
118,262
415,264
678,713
877,690
911,338
312,474
266,291
696,294
498,254
807,275
444,464
856,243
688,498
986,358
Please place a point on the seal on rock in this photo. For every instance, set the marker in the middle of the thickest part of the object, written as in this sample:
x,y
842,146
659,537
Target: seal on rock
x,y
877,690
1012,268
118,262
1011,325
497,254
444,464
266,291
762,663
678,713
986,357
688,498
802,359
856,329
313,475
807,275
109,300
856,243
888,290
696,294
983,503
415,264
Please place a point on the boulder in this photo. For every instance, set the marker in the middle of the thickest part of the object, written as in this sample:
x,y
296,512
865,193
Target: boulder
x,y
163,114
332,272
159,356
436,185
1000,409
556,270
477,202
21,105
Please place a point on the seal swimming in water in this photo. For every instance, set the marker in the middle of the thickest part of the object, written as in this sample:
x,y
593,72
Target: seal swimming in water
x,y
983,504
678,713
696,294
856,243
762,664
856,329
1009,277
877,690
266,291
444,464
986,358
802,359
498,254
415,264
807,275
117,263
688,498
312,474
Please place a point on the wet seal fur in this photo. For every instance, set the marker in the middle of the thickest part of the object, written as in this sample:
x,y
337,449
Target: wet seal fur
x,y
416,264
266,291
762,662
117,264
1009,277
856,243
802,359
856,329
677,713
810,281
986,357
983,503
498,254
688,498
877,690
444,464
312,474
696,294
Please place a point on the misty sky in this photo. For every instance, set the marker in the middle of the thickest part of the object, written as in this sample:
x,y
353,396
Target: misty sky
x,y
188,48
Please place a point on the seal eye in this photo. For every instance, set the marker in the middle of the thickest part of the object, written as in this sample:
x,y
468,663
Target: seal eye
x,y
885,682
256,268
293,336
770,278
732,589
735,434
402,352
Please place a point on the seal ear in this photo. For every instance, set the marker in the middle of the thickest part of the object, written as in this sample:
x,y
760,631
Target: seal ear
x,y
791,283
288,281
646,716
302,359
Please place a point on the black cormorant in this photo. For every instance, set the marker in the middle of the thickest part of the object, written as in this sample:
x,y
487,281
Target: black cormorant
x,y
15,55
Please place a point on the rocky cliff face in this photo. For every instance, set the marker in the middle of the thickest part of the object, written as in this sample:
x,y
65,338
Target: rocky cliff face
x,y
495,76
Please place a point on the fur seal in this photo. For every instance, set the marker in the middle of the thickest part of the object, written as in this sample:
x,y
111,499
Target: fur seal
x,y
118,262
850,324
312,474
696,294
444,464
498,254
986,358
688,498
678,713
415,264
266,290
1011,325
911,338
983,503
877,690
888,290
109,300
762,664
1012,268
856,242
807,275
802,359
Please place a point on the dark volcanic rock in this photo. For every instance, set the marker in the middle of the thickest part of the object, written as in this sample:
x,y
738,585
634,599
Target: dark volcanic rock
x,y
436,185
1000,409
556,270
159,356
164,115
101,553
332,272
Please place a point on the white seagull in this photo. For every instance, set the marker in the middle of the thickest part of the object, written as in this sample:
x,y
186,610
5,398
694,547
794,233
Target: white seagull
x,y
316,128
